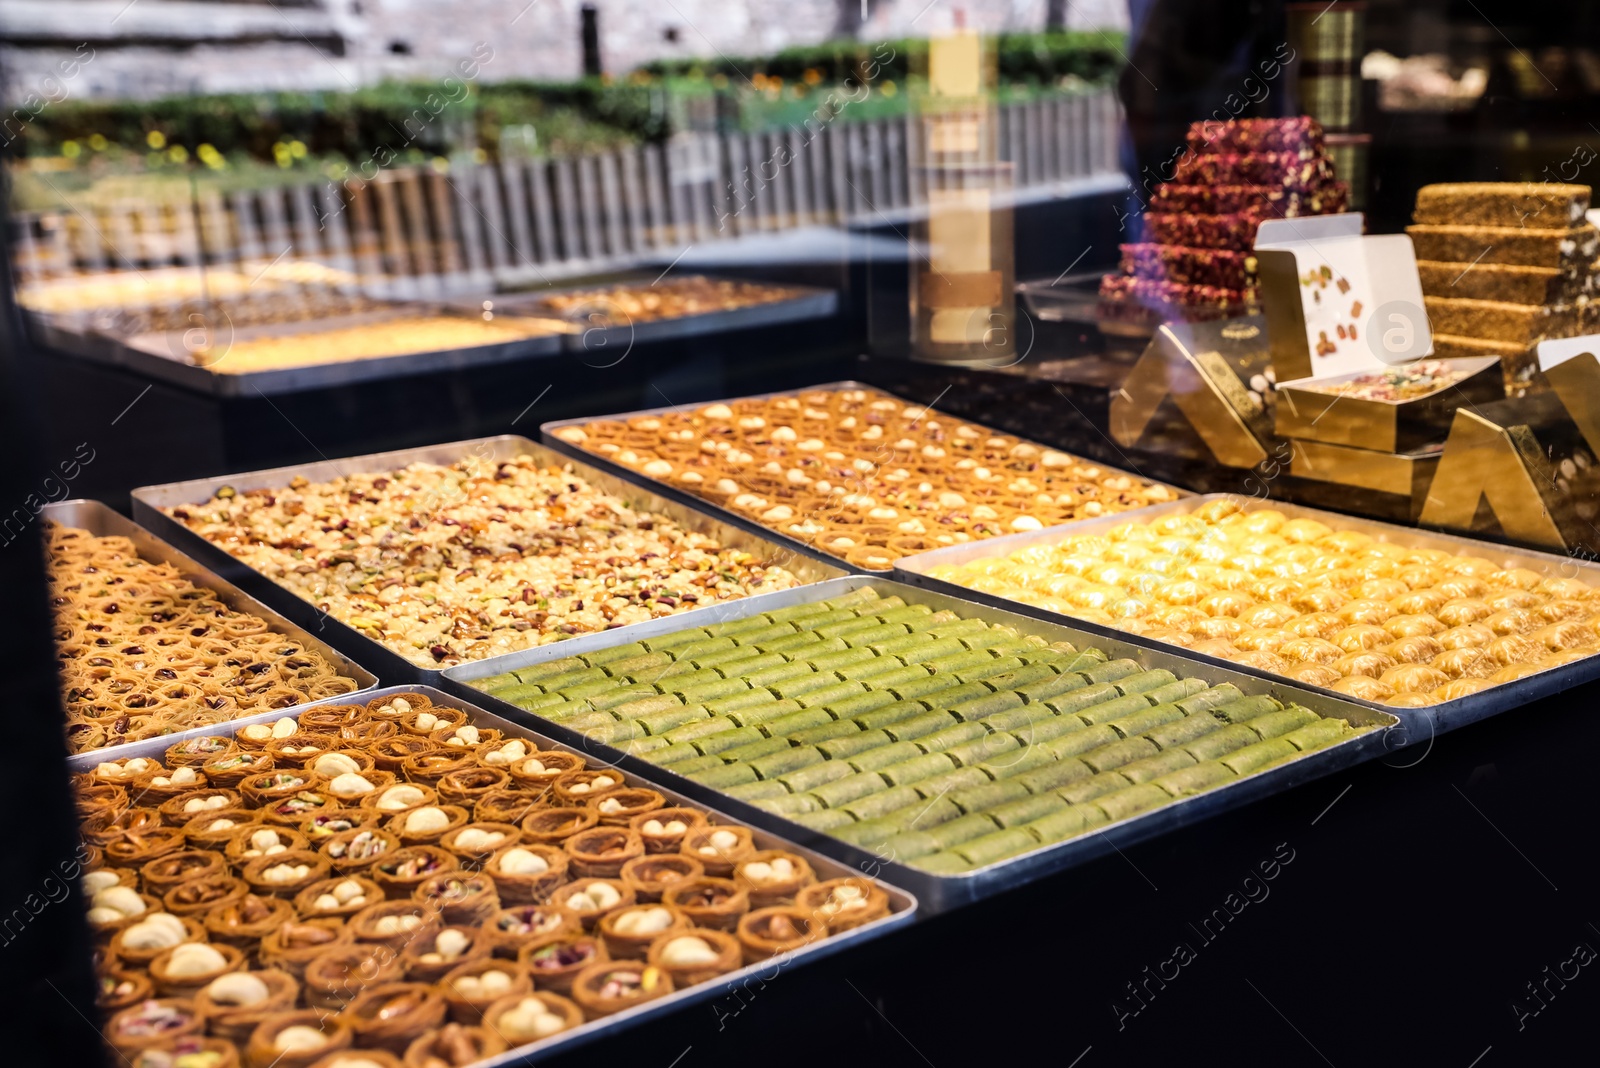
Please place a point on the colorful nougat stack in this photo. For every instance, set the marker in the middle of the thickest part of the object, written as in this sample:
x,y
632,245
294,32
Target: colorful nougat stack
x,y
1193,257
1504,266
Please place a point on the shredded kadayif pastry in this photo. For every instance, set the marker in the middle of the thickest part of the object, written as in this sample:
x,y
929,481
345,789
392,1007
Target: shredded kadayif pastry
x,y
445,564
146,652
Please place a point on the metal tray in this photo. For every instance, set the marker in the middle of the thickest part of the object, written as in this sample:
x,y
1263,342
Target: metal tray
x,y
162,356
149,500
807,303
1421,722
940,893
547,432
903,906
100,520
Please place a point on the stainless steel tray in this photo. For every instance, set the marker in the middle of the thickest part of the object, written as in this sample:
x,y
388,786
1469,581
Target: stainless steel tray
x,y
547,432
598,340
903,905
149,500
101,521
1422,723
163,356
940,893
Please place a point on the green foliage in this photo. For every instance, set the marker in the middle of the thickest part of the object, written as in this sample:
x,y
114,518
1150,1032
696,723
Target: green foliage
x,y
419,121
1091,56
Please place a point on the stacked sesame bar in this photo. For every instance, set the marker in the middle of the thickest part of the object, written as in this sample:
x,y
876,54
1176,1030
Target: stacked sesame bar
x,y
1505,265
1192,257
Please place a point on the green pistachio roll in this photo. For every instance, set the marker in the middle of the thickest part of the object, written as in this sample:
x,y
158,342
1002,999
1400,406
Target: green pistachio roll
x,y
1193,780
1253,758
992,848
808,778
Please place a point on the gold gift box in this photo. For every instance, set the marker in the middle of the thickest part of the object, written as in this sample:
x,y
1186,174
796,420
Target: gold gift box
x,y
1402,474
1399,426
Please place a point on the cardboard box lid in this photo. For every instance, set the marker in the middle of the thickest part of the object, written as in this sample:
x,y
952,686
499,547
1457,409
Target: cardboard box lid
x,y
1341,278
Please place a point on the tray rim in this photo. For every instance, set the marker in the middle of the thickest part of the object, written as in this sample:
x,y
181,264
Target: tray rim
x,y
808,303
940,893
1433,719
907,913
148,501
548,434
81,512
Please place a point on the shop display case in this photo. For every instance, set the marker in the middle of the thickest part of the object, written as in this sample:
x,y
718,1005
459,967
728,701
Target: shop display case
x,y
995,462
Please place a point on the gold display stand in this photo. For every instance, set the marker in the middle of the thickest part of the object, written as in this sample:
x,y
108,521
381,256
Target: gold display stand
x,y
1208,388
1495,479
1577,383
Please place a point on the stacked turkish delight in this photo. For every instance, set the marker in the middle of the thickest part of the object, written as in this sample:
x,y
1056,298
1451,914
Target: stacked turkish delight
x,y
1193,258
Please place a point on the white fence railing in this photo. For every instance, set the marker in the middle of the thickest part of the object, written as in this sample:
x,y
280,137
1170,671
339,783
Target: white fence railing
x,y
415,232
